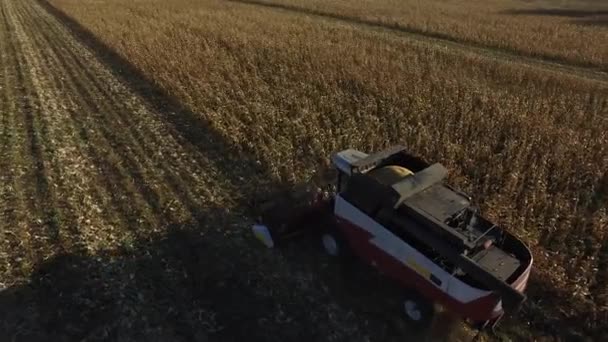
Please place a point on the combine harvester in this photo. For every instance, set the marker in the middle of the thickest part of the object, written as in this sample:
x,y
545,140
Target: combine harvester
x,y
395,212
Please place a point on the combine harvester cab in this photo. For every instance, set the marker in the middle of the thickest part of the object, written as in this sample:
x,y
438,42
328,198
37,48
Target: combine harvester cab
x,y
395,212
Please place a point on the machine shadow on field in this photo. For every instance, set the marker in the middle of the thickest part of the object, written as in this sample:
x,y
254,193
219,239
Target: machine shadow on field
x,y
191,126
196,282
186,286
181,286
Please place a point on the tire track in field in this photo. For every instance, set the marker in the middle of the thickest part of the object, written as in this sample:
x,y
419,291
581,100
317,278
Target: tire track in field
x,y
13,253
147,150
106,128
64,91
118,170
68,168
589,73
63,174
29,230
143,141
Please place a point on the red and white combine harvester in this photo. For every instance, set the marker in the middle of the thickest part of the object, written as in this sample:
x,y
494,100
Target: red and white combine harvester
x,y
394,211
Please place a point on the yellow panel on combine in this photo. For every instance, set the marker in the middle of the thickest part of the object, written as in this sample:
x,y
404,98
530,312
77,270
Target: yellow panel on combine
x,y
389,175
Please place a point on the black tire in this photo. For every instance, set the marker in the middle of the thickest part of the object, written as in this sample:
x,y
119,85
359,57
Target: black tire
x,y
417,310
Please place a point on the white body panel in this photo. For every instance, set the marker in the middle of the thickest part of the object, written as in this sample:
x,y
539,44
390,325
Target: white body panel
x,y
391,244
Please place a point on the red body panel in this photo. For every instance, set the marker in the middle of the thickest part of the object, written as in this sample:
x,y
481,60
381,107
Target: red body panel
x,y
481,309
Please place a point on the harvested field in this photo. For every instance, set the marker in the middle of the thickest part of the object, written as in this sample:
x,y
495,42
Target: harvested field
x,y
135,134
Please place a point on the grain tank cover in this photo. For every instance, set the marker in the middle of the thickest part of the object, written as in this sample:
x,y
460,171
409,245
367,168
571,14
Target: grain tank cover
x,y
418,182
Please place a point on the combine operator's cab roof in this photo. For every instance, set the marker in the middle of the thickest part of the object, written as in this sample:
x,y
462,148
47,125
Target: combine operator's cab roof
x,y
352,161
